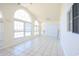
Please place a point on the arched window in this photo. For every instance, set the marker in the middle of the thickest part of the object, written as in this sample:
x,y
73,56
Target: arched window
x,y
1,23
22,24
22,15
1,30
36,27
1,15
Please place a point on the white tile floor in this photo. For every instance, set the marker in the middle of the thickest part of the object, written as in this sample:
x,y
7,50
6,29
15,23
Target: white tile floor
x,y
39,46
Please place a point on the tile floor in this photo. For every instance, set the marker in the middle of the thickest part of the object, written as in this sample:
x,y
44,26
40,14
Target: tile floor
x,y
39,46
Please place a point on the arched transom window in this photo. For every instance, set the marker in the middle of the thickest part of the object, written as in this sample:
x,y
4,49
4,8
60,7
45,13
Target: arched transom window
x,y
22,24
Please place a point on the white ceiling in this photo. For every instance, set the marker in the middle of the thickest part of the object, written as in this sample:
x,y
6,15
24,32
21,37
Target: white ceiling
x,y
44,11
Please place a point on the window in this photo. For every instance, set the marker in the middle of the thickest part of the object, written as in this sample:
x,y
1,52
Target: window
x,y
75,14
1,16
22,15
36,28
22,24
19,26
28,29
1,26
1,30
19,29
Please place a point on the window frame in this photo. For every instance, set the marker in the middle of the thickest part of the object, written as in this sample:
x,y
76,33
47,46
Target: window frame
x,y
24,35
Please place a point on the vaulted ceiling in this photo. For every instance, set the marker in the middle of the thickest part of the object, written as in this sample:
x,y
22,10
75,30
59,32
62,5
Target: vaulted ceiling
x,y
44,11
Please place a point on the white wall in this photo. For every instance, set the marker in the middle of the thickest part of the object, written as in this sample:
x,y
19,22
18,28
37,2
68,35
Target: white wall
x,y
50,29
69,40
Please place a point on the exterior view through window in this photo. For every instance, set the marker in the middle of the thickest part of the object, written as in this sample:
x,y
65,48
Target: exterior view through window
x,y
22,24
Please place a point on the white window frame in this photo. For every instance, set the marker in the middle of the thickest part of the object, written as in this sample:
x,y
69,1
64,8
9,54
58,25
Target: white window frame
x,y
24,35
